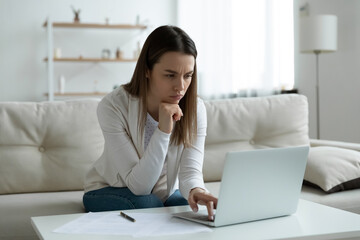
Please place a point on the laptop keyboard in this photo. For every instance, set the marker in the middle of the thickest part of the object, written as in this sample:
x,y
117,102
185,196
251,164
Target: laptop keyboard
x,y
202,216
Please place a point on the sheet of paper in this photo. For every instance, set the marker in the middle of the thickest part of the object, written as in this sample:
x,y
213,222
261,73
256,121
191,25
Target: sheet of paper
x,y
147,224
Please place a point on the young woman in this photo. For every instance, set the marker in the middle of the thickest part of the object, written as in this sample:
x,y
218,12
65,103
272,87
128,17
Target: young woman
x,y
154,129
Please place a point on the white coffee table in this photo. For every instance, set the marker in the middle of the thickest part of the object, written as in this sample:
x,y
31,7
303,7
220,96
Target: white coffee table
x,y
311,221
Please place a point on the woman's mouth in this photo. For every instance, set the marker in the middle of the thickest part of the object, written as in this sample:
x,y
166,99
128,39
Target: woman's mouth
x,y
176,97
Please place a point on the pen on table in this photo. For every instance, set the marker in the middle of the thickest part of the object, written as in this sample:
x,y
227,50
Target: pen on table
x,y
127,217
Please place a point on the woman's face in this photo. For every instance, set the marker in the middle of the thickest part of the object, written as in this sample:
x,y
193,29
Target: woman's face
x,y
170,77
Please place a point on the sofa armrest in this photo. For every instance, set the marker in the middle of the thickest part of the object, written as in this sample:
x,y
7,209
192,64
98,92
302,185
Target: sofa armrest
x,y
330,143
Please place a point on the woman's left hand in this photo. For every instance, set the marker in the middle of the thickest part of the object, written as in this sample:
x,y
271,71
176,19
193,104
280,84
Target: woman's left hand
x,y
200,196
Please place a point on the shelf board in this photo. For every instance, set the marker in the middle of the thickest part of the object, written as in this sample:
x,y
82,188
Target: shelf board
x,y
79,94
90,60
95,25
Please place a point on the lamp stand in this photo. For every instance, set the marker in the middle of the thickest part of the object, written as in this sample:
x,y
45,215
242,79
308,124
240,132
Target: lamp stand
x,y
317,52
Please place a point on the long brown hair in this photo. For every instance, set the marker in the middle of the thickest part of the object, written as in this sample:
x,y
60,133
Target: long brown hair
x,y
167,39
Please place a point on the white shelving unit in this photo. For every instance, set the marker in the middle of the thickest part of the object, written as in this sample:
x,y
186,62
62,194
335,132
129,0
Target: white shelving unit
x,y
51,60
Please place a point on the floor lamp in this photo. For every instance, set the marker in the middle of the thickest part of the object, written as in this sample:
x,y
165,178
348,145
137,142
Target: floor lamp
x,y
318,34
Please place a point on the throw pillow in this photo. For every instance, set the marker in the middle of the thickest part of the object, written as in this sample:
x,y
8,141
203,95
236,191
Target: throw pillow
x,y
333,169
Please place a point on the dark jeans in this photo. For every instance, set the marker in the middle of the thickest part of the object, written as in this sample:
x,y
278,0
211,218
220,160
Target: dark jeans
x,y
111,198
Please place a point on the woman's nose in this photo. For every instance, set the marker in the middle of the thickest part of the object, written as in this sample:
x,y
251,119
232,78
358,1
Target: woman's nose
x,y
180,84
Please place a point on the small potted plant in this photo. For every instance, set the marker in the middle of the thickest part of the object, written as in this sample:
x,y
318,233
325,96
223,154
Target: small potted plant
x,y
77,13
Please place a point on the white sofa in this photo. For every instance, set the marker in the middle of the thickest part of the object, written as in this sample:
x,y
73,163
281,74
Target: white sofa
x,y
45,149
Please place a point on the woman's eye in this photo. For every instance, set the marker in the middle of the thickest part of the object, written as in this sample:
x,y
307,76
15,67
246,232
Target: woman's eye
x,y
188,76
170,75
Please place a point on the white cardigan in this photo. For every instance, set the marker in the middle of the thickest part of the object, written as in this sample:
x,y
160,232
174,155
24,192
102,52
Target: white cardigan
x,y
124,163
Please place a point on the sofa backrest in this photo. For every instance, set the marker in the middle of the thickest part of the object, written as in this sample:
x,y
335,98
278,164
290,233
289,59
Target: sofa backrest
x,y
47,146
252,123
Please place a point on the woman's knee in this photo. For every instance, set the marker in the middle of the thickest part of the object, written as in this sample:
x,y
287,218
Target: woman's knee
x,y
109,199
97,203
147,201
140,201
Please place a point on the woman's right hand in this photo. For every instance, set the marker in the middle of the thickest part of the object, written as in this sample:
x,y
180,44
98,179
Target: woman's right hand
x,y
168,113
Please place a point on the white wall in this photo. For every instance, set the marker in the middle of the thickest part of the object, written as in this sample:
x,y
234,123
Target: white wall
x,y
23,43
23,46
338,73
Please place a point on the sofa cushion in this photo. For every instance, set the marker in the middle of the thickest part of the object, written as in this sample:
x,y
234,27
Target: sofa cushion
x,y
47,146
252,123
19,208
333,169
345,200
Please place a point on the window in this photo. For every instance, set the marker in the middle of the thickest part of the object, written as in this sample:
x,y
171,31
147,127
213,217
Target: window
x,y
244,47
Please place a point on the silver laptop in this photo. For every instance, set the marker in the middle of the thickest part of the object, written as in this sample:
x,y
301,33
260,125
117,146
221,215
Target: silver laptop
x,y
257,184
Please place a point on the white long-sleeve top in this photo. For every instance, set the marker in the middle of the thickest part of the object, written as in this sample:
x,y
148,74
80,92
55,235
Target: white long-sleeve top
x,y
125,162
160,188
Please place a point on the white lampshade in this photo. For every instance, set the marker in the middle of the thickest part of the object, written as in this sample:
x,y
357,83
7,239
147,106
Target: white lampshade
x,y
318,33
